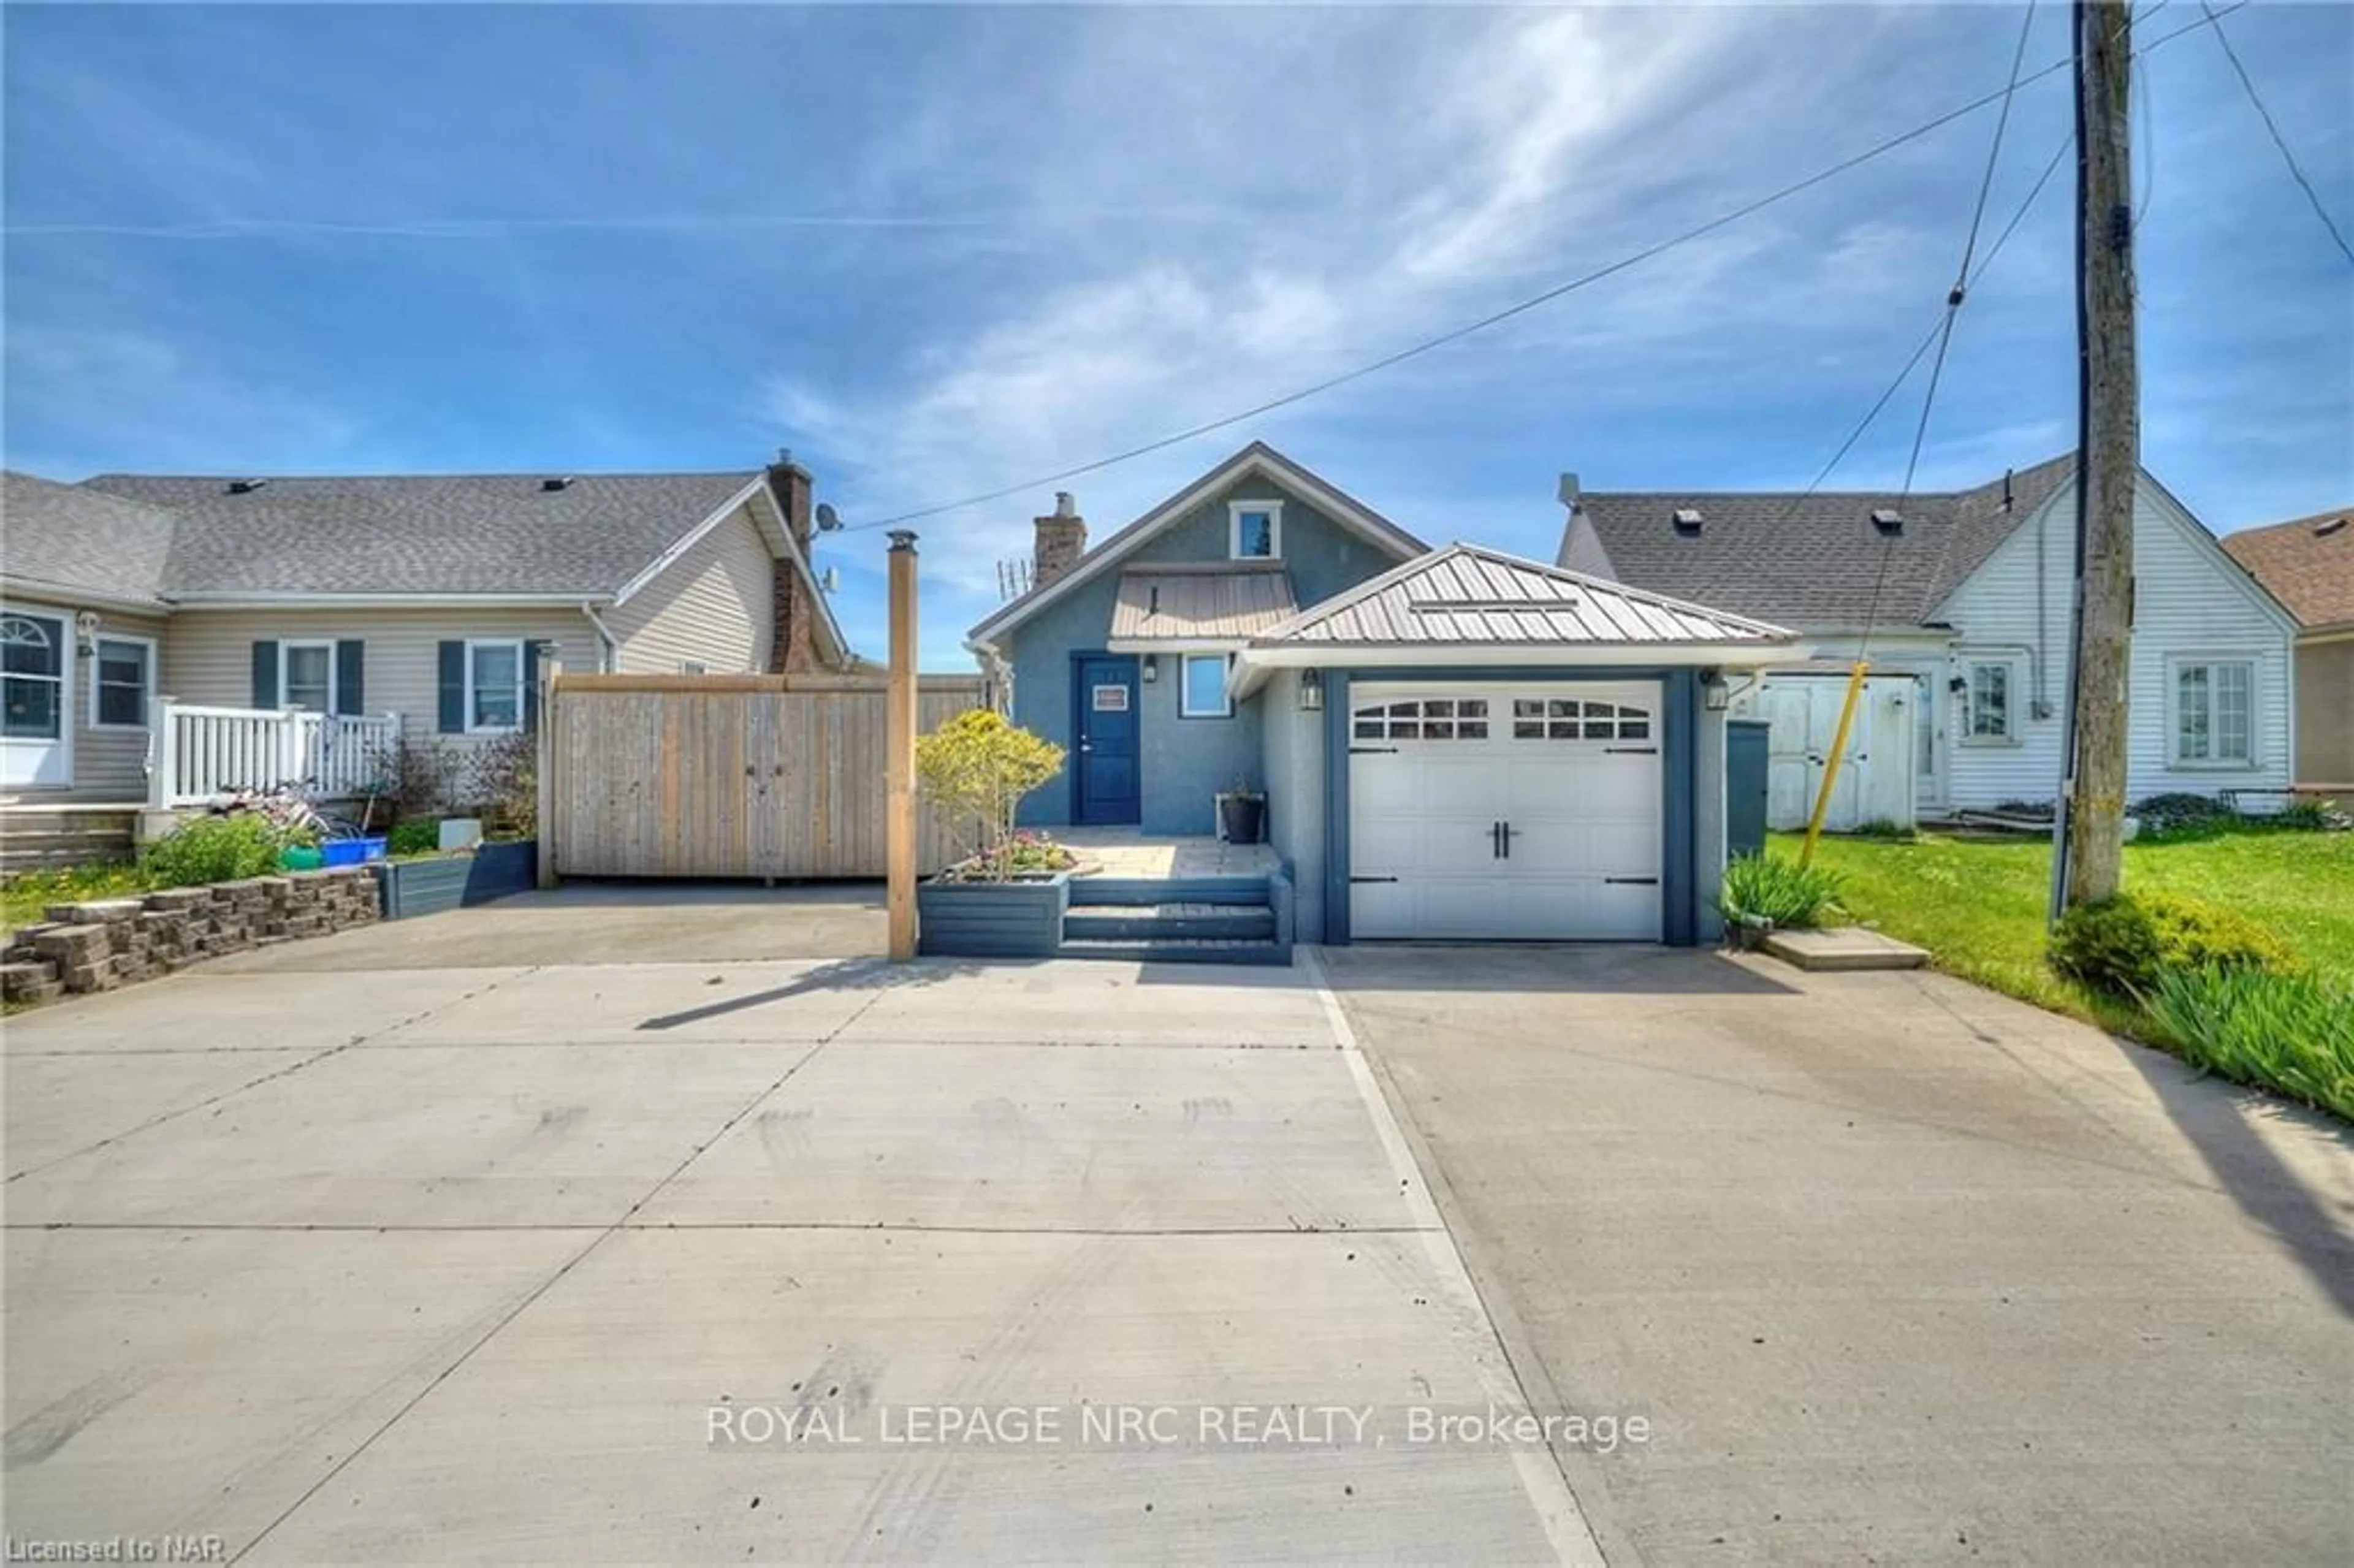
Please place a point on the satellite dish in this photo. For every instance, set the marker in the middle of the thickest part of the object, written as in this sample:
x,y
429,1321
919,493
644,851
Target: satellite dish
x,y
828,519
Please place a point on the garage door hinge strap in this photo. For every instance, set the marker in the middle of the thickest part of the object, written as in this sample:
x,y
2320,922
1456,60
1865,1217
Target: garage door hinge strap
x,y
1373,879
1632,881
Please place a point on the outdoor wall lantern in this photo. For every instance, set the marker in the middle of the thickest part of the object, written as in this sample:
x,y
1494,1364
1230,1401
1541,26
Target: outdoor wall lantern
x,y
1312,690
1716,694
1151,668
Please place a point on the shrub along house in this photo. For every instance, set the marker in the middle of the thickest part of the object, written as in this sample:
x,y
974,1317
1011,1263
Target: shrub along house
x,y
169,638
1452,742
1968,597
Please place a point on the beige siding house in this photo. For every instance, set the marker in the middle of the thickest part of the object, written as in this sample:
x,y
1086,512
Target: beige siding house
x,y
149,621
2308,565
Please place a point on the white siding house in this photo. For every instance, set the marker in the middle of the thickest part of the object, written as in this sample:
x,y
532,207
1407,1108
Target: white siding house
x,y
1974,615
2210,700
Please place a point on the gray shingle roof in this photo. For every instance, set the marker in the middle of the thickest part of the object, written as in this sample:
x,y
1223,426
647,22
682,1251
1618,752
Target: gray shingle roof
x,y
69,537
1809,561
1464,594
435,534
1182,601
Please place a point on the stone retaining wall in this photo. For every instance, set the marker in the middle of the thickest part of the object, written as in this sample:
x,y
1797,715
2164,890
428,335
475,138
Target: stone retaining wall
x,y
110,942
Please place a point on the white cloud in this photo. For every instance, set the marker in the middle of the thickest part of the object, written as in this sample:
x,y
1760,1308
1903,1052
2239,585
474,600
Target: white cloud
x,y
1519,132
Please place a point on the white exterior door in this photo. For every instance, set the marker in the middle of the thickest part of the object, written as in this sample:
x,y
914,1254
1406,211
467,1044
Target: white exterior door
x,y
1528,811
36,701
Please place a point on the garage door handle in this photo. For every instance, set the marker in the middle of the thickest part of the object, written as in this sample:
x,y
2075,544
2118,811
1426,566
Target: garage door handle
x,y
1373,879
1631,881
1373,751
1630,751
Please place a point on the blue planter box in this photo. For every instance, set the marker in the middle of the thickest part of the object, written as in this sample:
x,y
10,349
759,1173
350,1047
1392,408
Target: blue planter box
x,y
430,887
991,919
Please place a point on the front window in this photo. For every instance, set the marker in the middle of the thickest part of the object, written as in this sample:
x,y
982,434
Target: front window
x,y
1254,530
32,666
125,677
2214,711
1203,692
307,676
1990,700
493,686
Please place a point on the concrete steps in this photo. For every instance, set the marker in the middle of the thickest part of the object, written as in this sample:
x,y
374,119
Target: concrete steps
x,y
1845,948
1189,919
39,837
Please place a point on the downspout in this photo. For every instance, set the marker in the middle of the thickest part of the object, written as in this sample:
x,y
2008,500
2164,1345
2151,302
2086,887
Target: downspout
x,y
995,671
608,658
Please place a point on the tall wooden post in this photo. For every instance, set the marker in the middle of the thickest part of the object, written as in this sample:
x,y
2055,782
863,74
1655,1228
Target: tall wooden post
x,y
899,716
2094,792
544,809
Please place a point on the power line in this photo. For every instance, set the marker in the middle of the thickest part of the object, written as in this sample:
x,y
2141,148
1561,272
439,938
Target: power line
x,y
1495,318
2279,141
1921,350
1945,328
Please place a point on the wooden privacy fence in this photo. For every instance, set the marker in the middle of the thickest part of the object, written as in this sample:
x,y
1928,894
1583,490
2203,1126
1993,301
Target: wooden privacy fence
x,y
727,775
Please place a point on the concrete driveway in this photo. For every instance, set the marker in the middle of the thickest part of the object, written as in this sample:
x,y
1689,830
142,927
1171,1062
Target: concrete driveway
x,y
1899,1271
337,1255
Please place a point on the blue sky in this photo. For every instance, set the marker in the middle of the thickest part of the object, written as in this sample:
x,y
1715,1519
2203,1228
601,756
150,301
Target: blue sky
x,y
937,251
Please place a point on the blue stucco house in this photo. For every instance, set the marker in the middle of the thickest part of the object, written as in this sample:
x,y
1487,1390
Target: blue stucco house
x,y
1453,744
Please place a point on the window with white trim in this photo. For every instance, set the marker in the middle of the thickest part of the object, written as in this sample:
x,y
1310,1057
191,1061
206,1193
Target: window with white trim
x,y
306,676
123,682
2215,713
32,676
1254,530
1201,687
1991,688
494,675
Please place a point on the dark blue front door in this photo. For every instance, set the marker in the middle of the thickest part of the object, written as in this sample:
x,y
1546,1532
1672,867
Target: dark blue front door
x,y
1104,786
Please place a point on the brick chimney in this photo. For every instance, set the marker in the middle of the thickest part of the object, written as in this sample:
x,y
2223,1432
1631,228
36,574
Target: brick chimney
x,y
1062,540
792,645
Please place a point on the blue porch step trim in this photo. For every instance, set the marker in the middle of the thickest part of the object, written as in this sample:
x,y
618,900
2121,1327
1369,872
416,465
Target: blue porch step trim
x,y
1132,891
1180,919
1277,954
1172,922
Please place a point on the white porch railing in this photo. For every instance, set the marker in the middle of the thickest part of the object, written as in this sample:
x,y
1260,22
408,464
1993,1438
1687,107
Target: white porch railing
x,y
196,754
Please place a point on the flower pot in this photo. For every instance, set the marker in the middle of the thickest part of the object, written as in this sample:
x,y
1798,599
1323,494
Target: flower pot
x,y
1244,817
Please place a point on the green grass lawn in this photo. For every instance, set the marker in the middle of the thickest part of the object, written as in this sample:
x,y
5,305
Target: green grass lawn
x,y
1979,906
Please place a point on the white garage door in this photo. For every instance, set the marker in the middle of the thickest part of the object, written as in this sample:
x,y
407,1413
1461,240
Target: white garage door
x,y
1505,810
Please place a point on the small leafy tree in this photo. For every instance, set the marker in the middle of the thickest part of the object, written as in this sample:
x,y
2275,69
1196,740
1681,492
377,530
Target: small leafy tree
x,y
976,768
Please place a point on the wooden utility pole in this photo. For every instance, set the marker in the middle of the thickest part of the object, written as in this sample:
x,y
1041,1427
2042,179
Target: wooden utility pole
x,y
899,719
2092,795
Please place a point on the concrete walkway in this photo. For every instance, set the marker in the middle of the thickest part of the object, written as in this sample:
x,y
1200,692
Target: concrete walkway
x,y
1898,1270
351,1261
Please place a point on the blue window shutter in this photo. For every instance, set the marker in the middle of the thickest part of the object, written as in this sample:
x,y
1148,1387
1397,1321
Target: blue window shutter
x,y
265,674
351,676
453,688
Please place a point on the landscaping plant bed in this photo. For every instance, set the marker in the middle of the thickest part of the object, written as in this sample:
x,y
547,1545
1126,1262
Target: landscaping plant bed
x,y
431,884
1021,919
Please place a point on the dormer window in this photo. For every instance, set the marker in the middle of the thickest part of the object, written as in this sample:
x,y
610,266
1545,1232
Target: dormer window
x,y
1254,530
